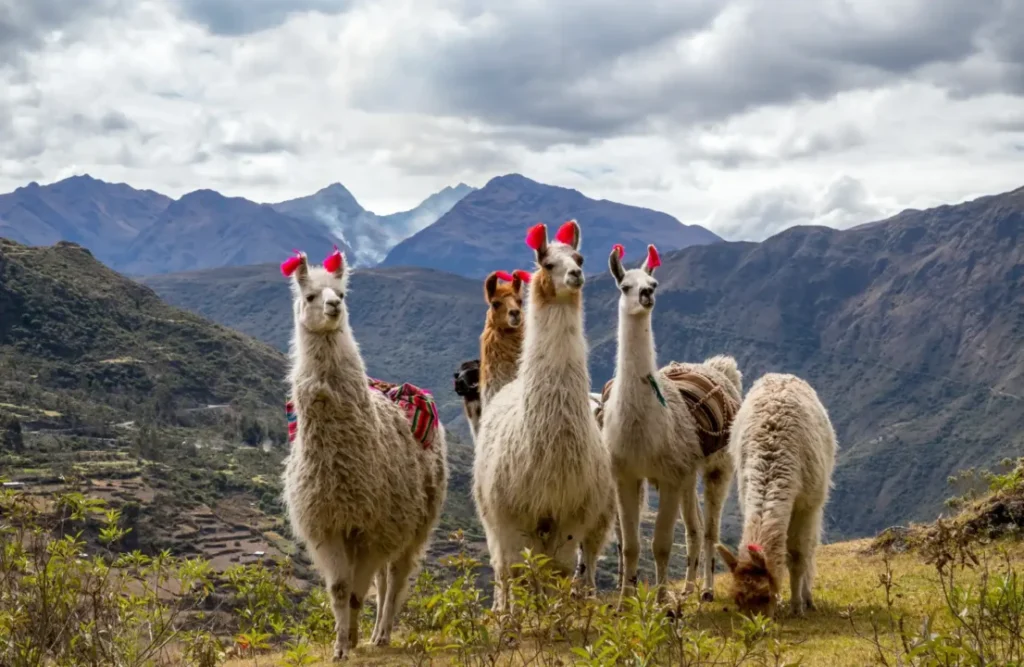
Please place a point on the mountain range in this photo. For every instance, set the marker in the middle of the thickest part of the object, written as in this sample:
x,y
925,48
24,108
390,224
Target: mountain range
x,y
485,230
909,328
141,232
460,229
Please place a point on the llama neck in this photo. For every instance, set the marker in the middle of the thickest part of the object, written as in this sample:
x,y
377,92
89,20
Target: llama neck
x,y
499,358
635,357
330,360
554,360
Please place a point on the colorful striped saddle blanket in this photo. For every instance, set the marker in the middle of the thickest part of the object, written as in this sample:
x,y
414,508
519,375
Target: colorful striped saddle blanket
x,y
712,408
418,404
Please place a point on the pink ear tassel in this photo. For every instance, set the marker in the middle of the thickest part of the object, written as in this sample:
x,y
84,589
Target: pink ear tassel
x,y
567,233
619,249
754,548
504,275
523,275
333,261
289,265
653,259
536,236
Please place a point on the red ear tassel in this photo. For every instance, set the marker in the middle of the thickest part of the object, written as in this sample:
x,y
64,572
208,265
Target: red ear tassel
x,y
619,249
504,275
333,261
289,265
536,236
567,233
653,259
754,548
523,275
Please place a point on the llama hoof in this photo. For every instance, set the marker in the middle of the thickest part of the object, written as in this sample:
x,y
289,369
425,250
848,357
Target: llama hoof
x,y
797,610
382,641
810,605
707,596
340,653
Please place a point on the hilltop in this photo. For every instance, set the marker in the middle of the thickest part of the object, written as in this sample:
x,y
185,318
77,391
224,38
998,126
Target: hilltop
x,y
484,231
909,328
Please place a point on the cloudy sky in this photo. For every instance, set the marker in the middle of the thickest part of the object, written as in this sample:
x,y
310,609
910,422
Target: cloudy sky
x,y
746,116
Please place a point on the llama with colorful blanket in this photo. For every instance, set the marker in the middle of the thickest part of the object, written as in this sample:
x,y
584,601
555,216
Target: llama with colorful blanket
x,y
665,427
367,474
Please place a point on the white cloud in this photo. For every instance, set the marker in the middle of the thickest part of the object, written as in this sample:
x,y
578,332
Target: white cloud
x,y
744,116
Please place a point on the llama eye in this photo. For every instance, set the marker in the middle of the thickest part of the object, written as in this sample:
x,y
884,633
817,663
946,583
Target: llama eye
x,y
626,288
495,304
578,259
310,297
549,267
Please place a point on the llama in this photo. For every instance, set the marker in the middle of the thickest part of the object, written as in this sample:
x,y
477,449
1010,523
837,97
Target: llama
x,y
467,387
363,493
542,477
656,427
502,337
784,449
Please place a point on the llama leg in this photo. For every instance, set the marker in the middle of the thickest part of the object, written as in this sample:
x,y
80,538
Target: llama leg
x,y
716,490
333,560
593,543
399,571
381,584
811,541
796,556
629,490
692,521
618,552
362,573
664,527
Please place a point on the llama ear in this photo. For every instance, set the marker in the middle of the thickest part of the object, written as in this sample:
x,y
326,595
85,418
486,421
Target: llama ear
x,y
653,260
727,556
520,279
757,555
569,234
615,263
296,267
537,238
490,286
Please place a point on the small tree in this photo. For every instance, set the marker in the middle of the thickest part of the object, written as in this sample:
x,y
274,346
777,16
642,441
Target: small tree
x,y
10,433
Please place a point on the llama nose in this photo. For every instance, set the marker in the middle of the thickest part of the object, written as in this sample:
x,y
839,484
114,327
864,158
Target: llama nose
x,y
513,315
575,277
647,297
332,307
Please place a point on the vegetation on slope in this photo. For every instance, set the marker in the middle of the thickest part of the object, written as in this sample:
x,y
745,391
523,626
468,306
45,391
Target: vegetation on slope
x,y
950,602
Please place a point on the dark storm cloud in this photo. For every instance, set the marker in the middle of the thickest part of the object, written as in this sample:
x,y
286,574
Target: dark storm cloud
x,y
25,24
240,17
612,69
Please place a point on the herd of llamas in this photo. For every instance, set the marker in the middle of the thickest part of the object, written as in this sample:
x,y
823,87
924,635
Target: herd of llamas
x,y
557,468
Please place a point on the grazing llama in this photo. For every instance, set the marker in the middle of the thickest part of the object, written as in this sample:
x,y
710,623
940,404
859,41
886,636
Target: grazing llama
x,y
467,387
542,477
665,426
784,450
363,494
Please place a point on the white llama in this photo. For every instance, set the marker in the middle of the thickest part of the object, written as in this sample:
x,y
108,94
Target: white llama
x,y
363,494
542,477
653,432
784,449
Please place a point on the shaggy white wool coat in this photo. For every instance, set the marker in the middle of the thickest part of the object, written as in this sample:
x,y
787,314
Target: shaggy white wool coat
x,y
363,495
542,476
784,449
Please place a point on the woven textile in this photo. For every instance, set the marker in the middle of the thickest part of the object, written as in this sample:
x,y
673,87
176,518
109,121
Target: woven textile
x,y
712,408
418,404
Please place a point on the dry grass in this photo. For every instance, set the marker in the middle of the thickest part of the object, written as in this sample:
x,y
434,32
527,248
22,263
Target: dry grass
x,y
848,582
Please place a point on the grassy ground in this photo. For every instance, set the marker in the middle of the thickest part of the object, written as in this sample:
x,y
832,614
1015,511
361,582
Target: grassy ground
x,y
848,588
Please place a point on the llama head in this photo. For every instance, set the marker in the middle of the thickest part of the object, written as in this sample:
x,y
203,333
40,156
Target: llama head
x,y
636,286
318,292
754,588
504,293
467,380
559,275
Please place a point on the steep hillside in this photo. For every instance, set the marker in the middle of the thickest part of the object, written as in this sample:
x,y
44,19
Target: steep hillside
x,y
104,217
370,236
910,328
485,230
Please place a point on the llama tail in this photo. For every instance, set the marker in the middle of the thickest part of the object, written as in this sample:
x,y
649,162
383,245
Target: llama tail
x,y
727,366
